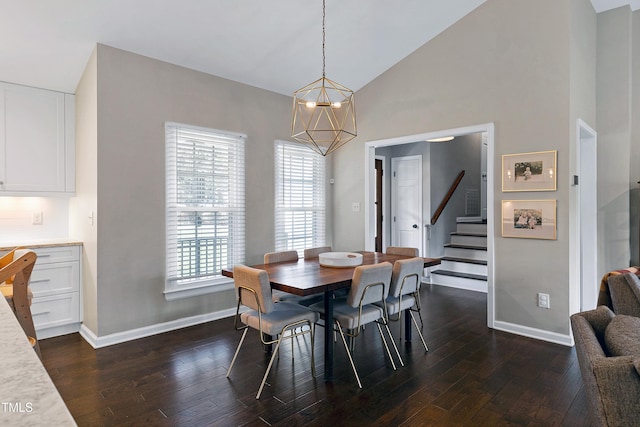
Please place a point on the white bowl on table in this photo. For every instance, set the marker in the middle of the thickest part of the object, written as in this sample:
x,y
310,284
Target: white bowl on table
x,y
340,259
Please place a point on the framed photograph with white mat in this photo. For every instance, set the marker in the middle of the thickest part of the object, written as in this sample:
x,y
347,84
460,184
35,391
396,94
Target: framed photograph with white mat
x,y
529,171
529,219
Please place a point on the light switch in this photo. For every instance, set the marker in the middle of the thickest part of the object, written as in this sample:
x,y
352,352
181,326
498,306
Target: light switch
x,y
37,218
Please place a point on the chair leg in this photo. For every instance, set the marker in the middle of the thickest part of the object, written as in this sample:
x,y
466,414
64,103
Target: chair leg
x,y
313,361
23,314
418,329
244,334
266,374
386,325
384,341
346,347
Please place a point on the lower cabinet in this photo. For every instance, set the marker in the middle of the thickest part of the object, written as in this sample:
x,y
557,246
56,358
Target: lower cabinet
x,y
55,283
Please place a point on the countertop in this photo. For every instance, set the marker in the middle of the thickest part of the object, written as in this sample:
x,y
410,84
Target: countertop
x,y
34,244
27,394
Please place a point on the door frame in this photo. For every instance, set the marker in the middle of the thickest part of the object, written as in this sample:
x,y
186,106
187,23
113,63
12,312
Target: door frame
x,y
383,206
583,267
370,183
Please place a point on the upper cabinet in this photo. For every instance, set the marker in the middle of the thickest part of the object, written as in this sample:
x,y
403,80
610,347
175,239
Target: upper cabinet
x,y
37,142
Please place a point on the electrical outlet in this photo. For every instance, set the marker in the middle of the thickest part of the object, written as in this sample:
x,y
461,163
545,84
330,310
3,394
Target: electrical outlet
x,y
36,218
544,301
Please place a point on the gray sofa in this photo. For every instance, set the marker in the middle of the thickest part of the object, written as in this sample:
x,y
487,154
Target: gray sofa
x,y
620,291
608,349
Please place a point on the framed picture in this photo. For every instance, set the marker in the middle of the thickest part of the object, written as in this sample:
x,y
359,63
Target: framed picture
x,y
529,219
529,171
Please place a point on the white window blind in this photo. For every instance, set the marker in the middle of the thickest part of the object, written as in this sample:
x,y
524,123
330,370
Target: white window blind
x,y
205,204
300,197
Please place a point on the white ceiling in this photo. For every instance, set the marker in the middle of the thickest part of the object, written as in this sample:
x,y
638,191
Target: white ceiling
x,y
275,45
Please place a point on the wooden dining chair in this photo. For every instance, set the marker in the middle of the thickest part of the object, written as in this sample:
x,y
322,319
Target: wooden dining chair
x,y
401,250
15,275
369,285
279,320
404,292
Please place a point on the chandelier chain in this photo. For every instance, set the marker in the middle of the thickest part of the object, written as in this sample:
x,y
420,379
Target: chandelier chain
x,y
323,38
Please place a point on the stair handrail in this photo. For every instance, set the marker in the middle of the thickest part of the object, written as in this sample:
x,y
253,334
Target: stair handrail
x,y
446,198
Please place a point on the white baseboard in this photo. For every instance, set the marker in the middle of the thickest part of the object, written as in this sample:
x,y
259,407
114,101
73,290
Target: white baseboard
x,y
56,331
538,334
467,285
146,331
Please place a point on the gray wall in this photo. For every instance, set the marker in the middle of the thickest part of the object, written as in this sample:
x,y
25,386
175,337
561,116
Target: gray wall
x,y
507,62
618,137
135,96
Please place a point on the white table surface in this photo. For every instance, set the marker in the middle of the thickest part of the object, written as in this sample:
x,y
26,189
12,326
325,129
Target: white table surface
x,y
27,394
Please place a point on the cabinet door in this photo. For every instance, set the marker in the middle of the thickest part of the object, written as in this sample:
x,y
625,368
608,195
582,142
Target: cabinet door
x,y
33,140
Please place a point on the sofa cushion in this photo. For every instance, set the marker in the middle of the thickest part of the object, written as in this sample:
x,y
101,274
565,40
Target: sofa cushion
x,y
625,294
622,336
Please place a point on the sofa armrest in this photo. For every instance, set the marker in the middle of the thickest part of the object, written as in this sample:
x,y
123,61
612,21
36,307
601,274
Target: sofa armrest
x,y
618,384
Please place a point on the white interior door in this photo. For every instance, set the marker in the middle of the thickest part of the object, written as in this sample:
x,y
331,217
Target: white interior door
x,y
406,202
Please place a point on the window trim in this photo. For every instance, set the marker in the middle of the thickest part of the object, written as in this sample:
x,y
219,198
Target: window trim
x,y
206,284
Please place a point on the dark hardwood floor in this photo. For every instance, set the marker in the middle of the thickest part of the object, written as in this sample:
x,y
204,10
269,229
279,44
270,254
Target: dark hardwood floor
x,y
471,376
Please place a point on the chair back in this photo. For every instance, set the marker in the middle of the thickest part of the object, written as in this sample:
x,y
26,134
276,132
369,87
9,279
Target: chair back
x,y
253,288
406,276
17,275
365,275
399,250
16,267
271,257
314,252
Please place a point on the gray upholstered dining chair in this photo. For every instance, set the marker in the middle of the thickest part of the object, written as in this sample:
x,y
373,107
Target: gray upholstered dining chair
x,y
281,296
314,252
282,256
404,292
280,320
401,250
370,284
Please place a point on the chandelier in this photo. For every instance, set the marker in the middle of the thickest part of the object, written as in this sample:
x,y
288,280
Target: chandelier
x,y
324,115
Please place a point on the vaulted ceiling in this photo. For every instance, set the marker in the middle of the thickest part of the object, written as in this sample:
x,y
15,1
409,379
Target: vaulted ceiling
x,y
275,45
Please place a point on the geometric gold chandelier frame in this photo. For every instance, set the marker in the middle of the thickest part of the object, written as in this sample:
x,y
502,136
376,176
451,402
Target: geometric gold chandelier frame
x,y
324,114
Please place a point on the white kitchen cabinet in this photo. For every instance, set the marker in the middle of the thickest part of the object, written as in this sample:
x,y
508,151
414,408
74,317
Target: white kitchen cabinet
x,y
55,283
37,142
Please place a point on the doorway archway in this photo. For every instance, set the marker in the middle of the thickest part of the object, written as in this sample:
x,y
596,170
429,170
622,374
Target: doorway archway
x,y
370,188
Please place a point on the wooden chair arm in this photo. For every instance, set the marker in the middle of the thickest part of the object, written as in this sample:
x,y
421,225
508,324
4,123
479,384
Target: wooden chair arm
x,y
18,265
7,258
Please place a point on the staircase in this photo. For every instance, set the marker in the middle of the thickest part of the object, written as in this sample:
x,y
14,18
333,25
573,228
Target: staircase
x,y
464,264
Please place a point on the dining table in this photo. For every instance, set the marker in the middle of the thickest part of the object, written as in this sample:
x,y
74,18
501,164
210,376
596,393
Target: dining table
x,y
307,277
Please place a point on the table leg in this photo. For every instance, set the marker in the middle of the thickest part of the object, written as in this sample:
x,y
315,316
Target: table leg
x,y
268,348
407,325
328,335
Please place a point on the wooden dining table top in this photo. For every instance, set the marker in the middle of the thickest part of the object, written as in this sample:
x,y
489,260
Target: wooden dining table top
x,y
308,277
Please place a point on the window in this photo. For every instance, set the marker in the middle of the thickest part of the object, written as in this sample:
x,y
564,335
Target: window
x,y
205,206
300,197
